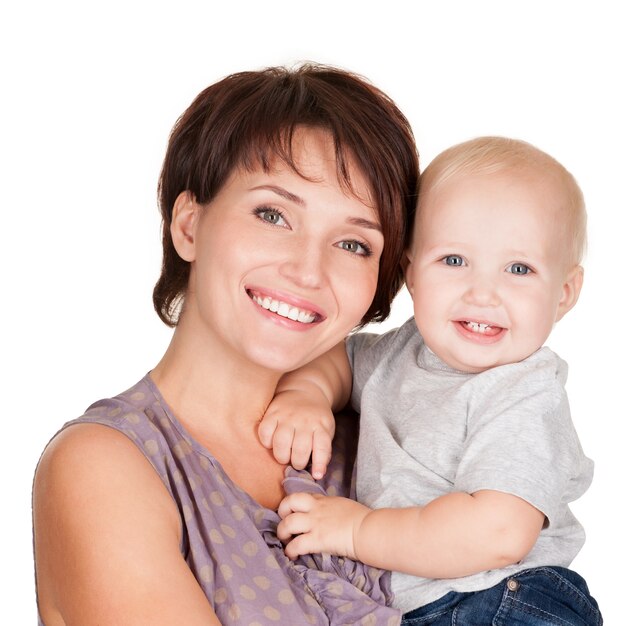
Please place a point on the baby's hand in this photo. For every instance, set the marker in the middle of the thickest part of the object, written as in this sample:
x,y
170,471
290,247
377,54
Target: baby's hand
x,y
312,523
299,425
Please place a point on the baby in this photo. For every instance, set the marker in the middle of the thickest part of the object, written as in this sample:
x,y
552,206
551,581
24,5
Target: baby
x,y
467,454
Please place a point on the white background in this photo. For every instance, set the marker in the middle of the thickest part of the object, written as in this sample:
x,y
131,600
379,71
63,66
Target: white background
x,y
90,91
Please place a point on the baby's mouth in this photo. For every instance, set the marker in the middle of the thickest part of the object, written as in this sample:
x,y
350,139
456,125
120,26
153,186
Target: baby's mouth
x,y
285,310
481,328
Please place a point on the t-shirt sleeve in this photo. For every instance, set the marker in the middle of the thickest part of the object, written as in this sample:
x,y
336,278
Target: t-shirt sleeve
x,y
521,439
366,352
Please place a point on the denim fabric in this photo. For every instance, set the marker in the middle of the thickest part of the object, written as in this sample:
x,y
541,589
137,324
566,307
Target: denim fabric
x,y
543,596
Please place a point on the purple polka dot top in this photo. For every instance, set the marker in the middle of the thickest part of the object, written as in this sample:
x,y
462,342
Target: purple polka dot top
x,y
229,540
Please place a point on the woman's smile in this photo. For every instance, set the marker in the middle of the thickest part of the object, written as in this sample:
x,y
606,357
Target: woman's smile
x,y
280,251
285,307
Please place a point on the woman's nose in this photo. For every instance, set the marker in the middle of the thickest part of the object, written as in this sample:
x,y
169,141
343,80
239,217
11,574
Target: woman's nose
x,y
304,266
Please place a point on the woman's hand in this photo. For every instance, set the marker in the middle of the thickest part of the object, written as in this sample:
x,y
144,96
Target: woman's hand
x,y
313,523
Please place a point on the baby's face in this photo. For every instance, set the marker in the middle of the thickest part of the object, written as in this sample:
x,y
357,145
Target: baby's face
x,y
488,269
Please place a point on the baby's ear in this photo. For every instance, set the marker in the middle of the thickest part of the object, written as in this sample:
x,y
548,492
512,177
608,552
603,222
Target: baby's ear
x,y
407,260
571,290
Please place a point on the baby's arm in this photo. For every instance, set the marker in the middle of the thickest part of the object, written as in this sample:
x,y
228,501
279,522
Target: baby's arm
x,y
455,535
299,423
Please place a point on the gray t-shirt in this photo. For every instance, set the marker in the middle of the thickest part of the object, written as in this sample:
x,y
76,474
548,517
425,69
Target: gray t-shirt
x,y
428,430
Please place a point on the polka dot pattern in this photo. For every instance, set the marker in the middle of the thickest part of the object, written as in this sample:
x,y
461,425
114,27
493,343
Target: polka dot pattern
x,y
230,541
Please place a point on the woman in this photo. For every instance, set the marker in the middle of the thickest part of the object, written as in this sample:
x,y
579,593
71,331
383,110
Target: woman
x,y
286,197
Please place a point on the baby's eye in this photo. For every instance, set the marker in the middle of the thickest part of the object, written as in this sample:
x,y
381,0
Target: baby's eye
x,y
519,269
271,216
454,260
355,247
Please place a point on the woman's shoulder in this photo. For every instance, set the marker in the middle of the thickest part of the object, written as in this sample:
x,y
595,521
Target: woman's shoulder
x,y
138,404
91,462
138,415
113,437
138,427
103,520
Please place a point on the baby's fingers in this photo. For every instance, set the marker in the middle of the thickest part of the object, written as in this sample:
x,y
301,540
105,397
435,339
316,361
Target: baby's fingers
x,y
296,503
302,544
282,442
266,429
322,449
301,449
293,524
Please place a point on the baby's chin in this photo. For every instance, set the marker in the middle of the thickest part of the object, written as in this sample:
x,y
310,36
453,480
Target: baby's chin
x,y
482,363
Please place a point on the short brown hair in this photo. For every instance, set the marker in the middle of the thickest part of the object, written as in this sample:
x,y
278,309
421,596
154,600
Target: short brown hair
x,y
249,118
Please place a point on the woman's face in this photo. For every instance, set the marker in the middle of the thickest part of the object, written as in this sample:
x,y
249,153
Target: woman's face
x,y
283,267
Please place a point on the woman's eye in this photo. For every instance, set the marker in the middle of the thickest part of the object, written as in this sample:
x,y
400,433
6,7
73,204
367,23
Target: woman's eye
x,y
271,216
355,247
519,269
454,260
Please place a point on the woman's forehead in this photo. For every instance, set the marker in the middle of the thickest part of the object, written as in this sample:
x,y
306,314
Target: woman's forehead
x,y
312,154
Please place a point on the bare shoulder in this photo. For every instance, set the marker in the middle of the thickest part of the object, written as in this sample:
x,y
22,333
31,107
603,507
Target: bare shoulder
x,y
89,468
74,441
107,536
84,455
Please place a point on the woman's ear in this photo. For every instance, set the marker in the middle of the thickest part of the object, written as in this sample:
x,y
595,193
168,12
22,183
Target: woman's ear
x,y
183,228
571,290
407,260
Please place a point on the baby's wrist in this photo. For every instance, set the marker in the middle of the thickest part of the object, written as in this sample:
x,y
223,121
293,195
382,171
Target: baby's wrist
x,y
361,539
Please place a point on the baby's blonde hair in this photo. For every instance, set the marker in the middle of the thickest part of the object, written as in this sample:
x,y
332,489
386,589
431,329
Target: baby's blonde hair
x,y
490,155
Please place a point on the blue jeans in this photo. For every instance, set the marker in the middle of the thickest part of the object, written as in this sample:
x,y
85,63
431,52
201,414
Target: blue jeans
x,y
543,596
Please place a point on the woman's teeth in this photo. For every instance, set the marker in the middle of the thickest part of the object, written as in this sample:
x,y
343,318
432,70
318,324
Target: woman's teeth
x,y
285,310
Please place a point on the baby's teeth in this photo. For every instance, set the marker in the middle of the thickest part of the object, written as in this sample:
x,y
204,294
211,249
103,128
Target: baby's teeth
x,y
274,306
266,303
477,327
293,314
283,309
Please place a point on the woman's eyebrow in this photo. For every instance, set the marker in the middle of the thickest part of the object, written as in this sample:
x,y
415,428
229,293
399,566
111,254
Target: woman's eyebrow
x,y
359,221
283,193
292,197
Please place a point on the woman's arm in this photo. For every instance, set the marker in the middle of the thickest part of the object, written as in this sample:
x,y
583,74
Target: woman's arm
x,y
107,536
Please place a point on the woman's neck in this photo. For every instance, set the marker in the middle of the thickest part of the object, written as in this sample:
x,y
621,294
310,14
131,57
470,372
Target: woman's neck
x,y
208,387
220,398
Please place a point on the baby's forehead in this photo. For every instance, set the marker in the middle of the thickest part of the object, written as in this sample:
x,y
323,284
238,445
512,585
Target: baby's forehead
x,y
538,172
522,164
536,178
516,205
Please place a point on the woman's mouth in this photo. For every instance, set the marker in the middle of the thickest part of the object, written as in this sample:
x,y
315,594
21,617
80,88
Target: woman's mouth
x,y
284,309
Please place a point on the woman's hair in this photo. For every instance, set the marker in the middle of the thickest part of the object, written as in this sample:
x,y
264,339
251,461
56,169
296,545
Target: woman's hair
x,y
491,155
248,120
